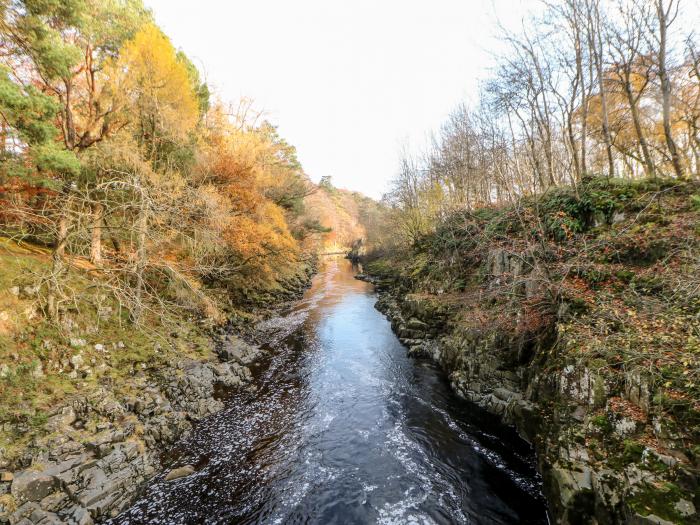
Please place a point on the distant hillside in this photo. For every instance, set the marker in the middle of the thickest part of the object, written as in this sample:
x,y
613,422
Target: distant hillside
x,y
340,217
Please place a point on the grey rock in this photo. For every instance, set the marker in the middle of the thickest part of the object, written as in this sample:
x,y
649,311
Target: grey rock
x,y
30,291
78,516
64,417
651,519
506,395
416,324
235,349
76,361
54,501
571,482
33,486
638,389
624,426
684,507
77,342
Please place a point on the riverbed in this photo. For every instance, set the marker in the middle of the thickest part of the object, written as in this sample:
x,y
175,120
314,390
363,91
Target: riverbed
x,y
343,427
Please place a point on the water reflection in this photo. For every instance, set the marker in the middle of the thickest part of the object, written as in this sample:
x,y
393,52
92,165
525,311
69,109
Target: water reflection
x,y
344,428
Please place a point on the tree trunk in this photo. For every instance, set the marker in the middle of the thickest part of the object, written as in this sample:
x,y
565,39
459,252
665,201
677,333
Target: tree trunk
x,y
666,88
62,236
141,229
648,164
596,47
96,233
57,265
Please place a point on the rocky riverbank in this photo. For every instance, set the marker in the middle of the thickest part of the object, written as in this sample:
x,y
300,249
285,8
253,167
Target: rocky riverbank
x,y
597,379
553,409
93,452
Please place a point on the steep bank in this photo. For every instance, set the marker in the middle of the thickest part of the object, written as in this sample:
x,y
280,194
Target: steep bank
x,y
345,428
575,317
88,407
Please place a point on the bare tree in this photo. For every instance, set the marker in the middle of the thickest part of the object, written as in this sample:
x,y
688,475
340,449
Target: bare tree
x,y
597,51
631,62
666,13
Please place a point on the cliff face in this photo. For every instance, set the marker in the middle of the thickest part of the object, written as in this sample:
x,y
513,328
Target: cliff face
x,y
576,318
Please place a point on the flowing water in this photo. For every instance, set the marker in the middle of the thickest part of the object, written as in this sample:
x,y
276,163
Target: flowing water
x,y
345,428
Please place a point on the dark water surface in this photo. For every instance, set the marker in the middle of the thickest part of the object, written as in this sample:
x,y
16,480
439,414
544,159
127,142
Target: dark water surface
x,y
345,428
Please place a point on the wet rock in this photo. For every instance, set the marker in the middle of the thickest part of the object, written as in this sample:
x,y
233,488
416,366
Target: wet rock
x,y
571,484
179,472
235,349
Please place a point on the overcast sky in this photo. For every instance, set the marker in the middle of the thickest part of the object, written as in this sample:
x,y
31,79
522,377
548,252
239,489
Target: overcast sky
x,y
346,82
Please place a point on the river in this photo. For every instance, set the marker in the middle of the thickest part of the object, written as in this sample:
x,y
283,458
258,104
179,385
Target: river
x,y
344,428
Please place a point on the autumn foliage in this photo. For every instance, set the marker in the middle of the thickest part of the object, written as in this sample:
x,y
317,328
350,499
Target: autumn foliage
x,y
113,149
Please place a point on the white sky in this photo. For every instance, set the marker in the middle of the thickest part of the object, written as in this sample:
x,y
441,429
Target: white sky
x,y
347,82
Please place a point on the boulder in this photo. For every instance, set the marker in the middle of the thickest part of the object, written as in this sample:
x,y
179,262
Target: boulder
x,y
64,417
684,507
180,472
33,486
235,349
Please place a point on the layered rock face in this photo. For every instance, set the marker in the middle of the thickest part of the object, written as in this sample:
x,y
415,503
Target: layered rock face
x,y
606,454
103,447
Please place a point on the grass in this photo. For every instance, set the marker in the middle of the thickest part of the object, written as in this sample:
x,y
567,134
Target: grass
x,y
29,394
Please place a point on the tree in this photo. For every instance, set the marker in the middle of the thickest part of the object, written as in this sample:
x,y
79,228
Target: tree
x,y
666,13
597,51
155,90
